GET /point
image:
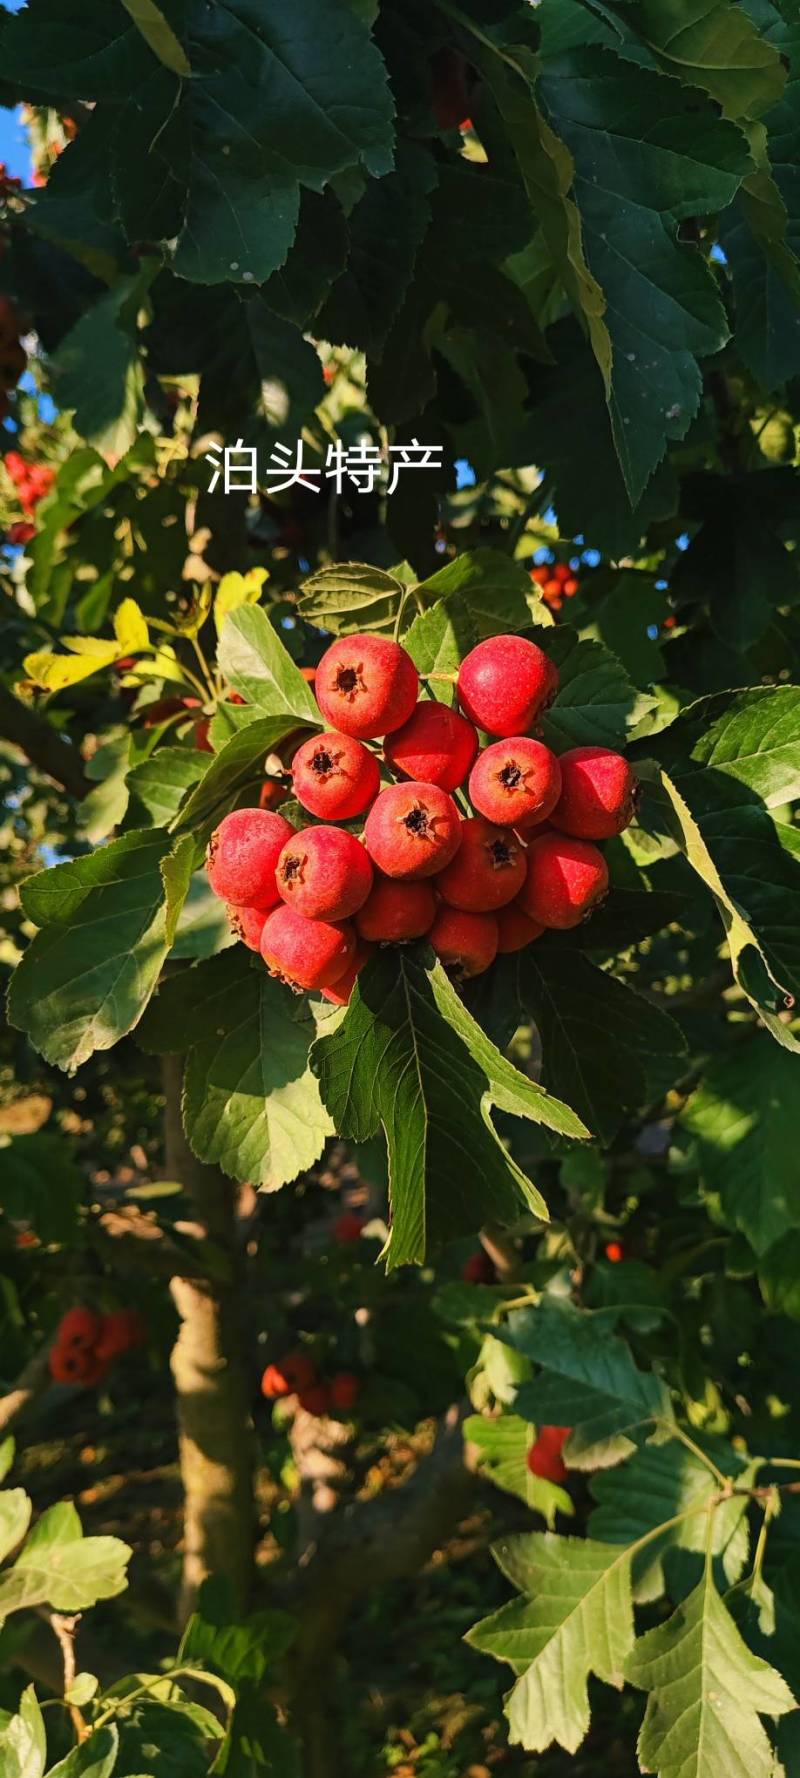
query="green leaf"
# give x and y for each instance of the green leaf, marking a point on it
(503, 1443)
(255, 663)
(706, 1694)
(494, 589)
(755, 738)
(711, 44)
(58, 1566)
(588, 1379)
(386, 229)
(96, 1757)
(15, 1517)
(657, 1484)
(99, 372)
(742, 1116)
(41, 1183)
(407, 1056)
(7, 1450)
(438, 640)
(22, 1740)
(237, 771)
(160, 783)
(643, 1052)
(158, 34)
(596, 702)
(575, 1618)
(351, 596)
(87, 976)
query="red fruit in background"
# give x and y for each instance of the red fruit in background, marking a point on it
(324, 873)
(120, 1332)
(335, 776)
(306, 953)
(69, 1364)
(79, 1329)
(412, 830)
(515, 929)
(544, 1457)
(345, 1389)
(293, 1372)
(435, 746)
(395, 911)
(201, 740)
(247, 924)
(341, 990)
(566, 879)
(315, 1400)
(597, 793)
(21, 532)
(615, 1252)
(242, 855)
(515, 781)
(479, 1269)
(466, 943)
(488, 870)
(272, 794)
(505, 683)
(366, 686)
(348, 1226)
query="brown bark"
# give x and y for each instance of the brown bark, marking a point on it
(208, 1367)
(42, 744)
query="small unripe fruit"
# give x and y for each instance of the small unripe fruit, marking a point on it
(395, 911)
(597, 793)
(435, 746)
(544, 1457)
(295, 1371)
(315, 1400)
(347, 1227)
(566, 879)
(247, 924)
(340, 993)
(515, 781)
(306, 953)
(515, 929)
(324, 873)
(505, 683)
(242, 855)
(488, 870)
(79, 1329)
(335, 776)
(366, 686)
(412, 830)
(466, 943)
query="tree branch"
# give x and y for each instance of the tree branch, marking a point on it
(42, 744)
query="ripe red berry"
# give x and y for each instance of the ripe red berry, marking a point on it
(315, 1400)
(119, 1332)
(488, 870)
(566, 879)
(435, 746)
(79, 1329)
(479, 1269)
(272, 794)
(597, 793)
(242, 855)
(466, 943)
(341, 990)
(335, 776)
(366, 686)
(396, 910)
(69, 1364)
(515, 781)
(515, 929)
(412, 830)
(324, 873)
(294, 1372)
(344, 1391)
(306, 953)
(505, 683)
(247, 924)
(347, 1227)
(615, 1252)
(544, 1457)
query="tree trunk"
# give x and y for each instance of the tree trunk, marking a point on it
(208, 1367)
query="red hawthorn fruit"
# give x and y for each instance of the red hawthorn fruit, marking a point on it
(315, 1400)
(292, 1373)
(340, 993)
(345, 1389)
(21, 533)
(347, 1227)
(120, 1332)
(615, 1252)
(335, 776)
(79, 1329)
(272, 794)
(466, 943)
(515, 929)
(435, 746)
(544, 1457)
(505, 684)
(247, 924)
(566, 879)
(412, 830)
(479, 1269)
(515, 781)
(69, 1364)
(306, 953)
(242, 855)
(324, 873)
(489, 868)
(395, 911)
(366, 686)
(597, 793)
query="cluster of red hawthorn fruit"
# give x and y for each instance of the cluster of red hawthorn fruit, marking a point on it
(296, 1375)
(556, 582)
(86, 1343)
(315, 902)
(32, 481)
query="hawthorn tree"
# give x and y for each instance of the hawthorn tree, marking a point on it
(551, 254)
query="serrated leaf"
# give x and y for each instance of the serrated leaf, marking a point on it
(351, 596)
(386, 230)
(503, 1443)
(438, 640)
(96, 1757)
(87, 976)
(658, 1483)
(742, 1116)
(575, 1618)
(22, 1741)
(587, 1378)
(493, 588)
(754, 738)
(596, 701)
(237, 768)
(713, 45)
(408, 1056)
(706, 1694)
(255, 663)
(158, 34)
(58, 1566)
(160, 783)
(98, 369)
(235, 590)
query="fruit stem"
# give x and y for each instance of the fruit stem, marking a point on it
(451, 678)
